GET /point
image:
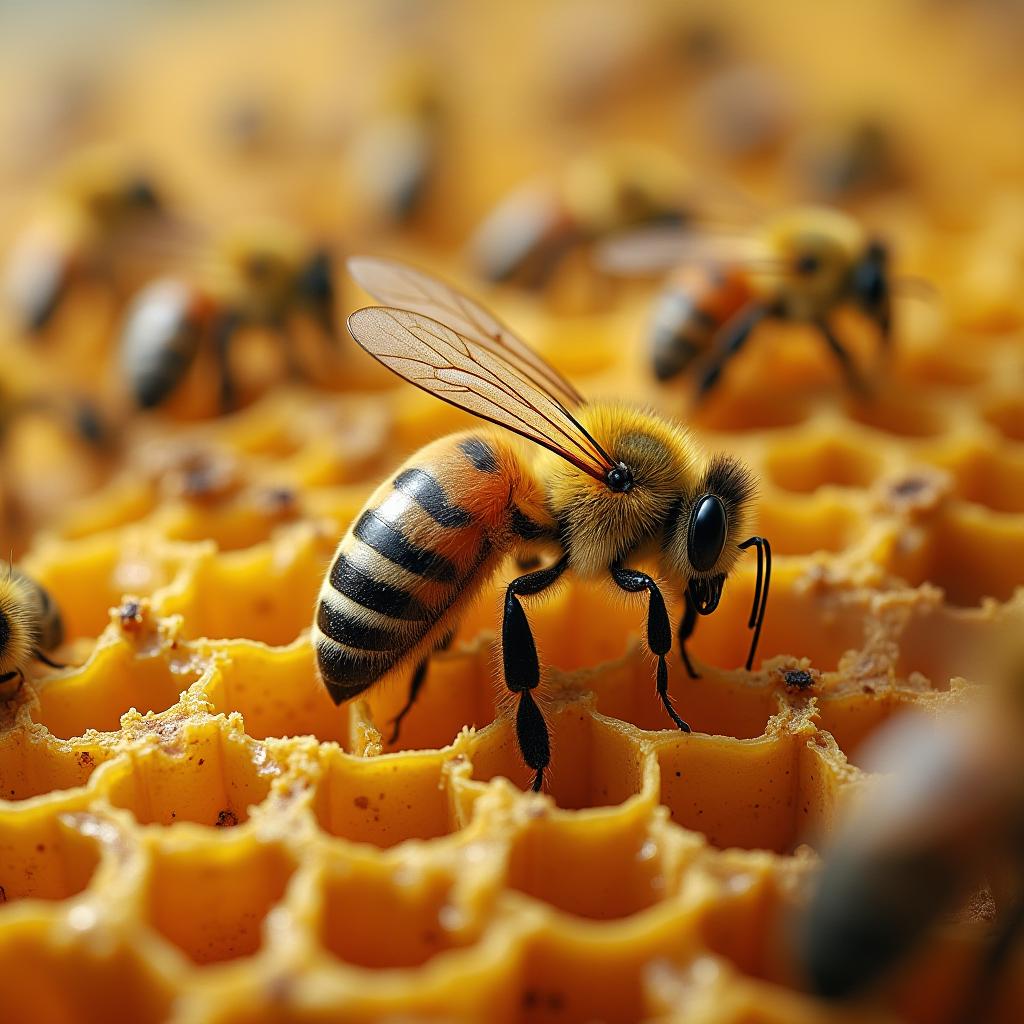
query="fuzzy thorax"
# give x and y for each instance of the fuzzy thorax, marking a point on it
(19, 623)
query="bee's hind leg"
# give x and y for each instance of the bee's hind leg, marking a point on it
(854, 380)
(731, 339)
(419, 677)
(659, 629)
(687, 624)
(522, 669)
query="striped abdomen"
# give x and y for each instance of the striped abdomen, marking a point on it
(695, 304)
(422, 546)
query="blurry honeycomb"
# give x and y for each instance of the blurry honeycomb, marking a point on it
(191, 831)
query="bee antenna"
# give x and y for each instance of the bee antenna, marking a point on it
(761, 583)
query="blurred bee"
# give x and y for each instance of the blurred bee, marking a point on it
(99, 218)
(602, 485)
(30, 624)
(801, 266)
(394, 156)
(947, 818)
(264, 275)
(527, 235)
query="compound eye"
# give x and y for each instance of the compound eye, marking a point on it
(708, 528)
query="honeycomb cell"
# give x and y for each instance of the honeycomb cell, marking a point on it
(43, 855)
(383, 800)
(807, 524)
(854, 717)
(902, 415)
(378, 918)
(194, 773)
(231, 527)
(735, 412)
(211, 898)
(1006, 414)
(31, 764)
(114, 681)
(821, 462)
(991, 478)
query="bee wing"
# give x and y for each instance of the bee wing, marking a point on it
(490, 384)
(652, 250)
(404, 287)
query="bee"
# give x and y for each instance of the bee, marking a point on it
(395, 155)
(602, 485)
(528, 234)
(93, 228)
(801, 267)
(946, 818)
(262, 275)
(30, 624)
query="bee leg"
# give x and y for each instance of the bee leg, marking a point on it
(733, 338)
(659, 629)
(39, 656)
(522, 669)
(853, 378)
(687, 624)
(419, 677)
(224, 332)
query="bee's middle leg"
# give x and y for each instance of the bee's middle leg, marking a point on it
(659, 629)
(419, 677)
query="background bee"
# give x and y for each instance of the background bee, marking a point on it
(264, 275)
(802, 266)
(30, 624)
(604, 484)
(93, 228)
(528, 234)
(945, 820)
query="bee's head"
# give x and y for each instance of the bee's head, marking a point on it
(702, 536)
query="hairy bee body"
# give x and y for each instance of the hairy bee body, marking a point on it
(422, 547)
(30, 623)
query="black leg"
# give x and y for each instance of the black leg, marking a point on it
(522, 669)
(761, 584)
(39, 656)
(687, 624)
(419, 677)
(733, 338)
(659, 629)
(223, 334)
(835, 346)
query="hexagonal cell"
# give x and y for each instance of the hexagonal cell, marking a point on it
(211, 899)
(114, 681)
(805, 464)
(807, 524)
(1006, 414)
(993, 478)
(968, 551)
(736, 792)
(594, 762)
(113, 982)
(729, 411)
(231, 527)
(600, 868)
(198, 774)
(853, 718)
(43, 856)
(32, 764)
(277, 692)
(383, 800)
(375, 917)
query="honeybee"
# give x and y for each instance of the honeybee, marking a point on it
(801, 266)
(94, 227)
(527, 235)
(602, 485)
(261, 275)
(30, 624)
(946, 817)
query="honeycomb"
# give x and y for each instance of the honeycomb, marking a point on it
(190, 830)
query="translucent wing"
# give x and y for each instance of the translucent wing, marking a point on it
(459, 370)
(650, 250)
(404, 287)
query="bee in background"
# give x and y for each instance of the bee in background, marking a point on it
(945, 821)
(394, 156)
(99, 221)
(529, 233)
(802, 266)
(602, 485)
(30, 624)
(264, 275)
